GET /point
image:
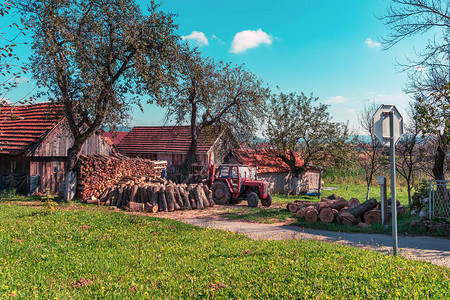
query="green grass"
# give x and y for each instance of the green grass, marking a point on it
(258, 214)
(125, 256)
(347, 191)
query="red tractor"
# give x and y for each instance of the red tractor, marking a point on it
(233, 183)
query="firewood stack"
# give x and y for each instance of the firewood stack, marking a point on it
(337, 209)
(154, 197)
(96, 173)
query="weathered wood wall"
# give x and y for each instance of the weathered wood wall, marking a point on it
(59, 140)
(51, 170)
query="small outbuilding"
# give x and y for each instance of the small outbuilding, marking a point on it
(34, 140)
(274, 170)
(171, 143)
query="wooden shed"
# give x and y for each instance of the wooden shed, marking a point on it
(274, 170)
(34, 141)
(171, 143)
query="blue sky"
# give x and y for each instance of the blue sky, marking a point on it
(330, 48)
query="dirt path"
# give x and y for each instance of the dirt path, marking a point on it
(431, 249)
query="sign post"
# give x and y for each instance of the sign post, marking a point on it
(381, 180)
(388, 128)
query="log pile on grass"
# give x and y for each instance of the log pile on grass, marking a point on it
(156, 197)
(337, 209)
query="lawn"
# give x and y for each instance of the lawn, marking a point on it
(88, 252)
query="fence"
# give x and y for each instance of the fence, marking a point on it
(439, 199)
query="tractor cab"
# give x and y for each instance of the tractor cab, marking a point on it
(238, 182)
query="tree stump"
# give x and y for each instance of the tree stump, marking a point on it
(292, 207)
(326, 215)
(372, 216)
(311, 214)
(346, 218)
(362, 208)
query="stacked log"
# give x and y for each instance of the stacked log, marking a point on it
(154, 197)
(96, 173)
(339, 210)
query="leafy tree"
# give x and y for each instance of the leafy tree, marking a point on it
(96, 57)
(212, 93)
(298, 123)
(370, 154)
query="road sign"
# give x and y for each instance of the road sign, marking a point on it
(381, 124)
(388, 126)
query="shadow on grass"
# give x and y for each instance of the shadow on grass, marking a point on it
(261, 215)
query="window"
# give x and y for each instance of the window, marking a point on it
(224, 172)
(56, 166)
(234, 172)
(13, 166)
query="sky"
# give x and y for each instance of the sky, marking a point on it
(329, 48)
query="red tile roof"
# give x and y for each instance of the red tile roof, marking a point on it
(21, 126)
(114, 136)
(265, 159)
(165, 139)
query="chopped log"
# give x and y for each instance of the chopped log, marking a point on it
(132, 197)
(362, 208)
(155, 195)
(178, 198)
(326, 215)
(208, 194)
(372, 216)
(150, 208)
(170, 198)
(338, 203)
(335, 212)
(202, 195)
(300, 213)
(292, 207)
(311, 214)
(162, 198)
(192, 198)
(346, 218)
(362, 225)
(353, 202)
(134, 206)
(185, 196)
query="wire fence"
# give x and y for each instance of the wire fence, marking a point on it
(439, 199)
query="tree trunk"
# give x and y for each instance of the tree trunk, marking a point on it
(439, 160)
(195, 131)
(368, 191)
(70, 186)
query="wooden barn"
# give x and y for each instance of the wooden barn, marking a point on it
(34, 141)
(274, 170)
(171, 143)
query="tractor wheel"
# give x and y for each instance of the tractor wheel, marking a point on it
(267, 202)
(252, 199)
(220, 193)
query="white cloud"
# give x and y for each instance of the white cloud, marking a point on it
(198, 37)
(351, 110)
(372, 44)
(336, 100)
(248, 39)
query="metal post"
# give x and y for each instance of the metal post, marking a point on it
(393, 196)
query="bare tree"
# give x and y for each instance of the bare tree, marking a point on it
(410, 156)
(96, 57)
(429, 72)
(370, 154)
